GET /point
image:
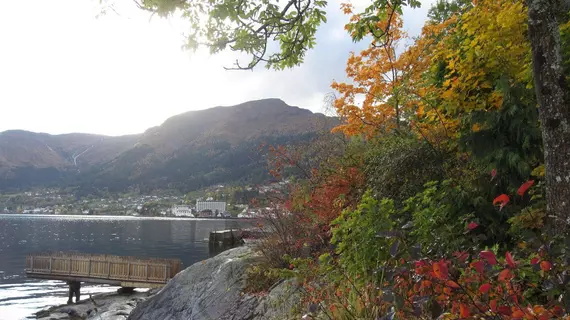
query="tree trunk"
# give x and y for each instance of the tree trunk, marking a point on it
(553, 98)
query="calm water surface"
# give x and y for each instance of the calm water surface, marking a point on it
(20, 235)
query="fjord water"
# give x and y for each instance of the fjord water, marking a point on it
(185, 239)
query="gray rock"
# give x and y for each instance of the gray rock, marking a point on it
(281, 303)
(213, 289)
(107, 306)
(205, 290)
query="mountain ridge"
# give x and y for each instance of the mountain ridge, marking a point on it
(159, 155)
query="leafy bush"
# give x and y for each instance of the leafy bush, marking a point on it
(359, 245)
(260, 278)
(397, 167)
(439, 215)
(283, 236)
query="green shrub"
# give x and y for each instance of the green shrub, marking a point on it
(398, 166)
(439, 217)
(260, 278)
(356, 234)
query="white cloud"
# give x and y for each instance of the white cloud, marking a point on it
(63, 70)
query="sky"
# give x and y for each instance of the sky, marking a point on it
(65, 68)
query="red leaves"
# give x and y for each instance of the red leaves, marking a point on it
(493, 291)
(452, 284)
(501, 200)
(504, 310)
(489, 257)
(504, 199)
(478, 265)
(484, 288)
(505, 275)
(335, 193)
(493, 305)
(524, 187)
(545, 266)
(461, 256)
(558, 311)
(518, 314)
(510, 260)
(464, 311)
(472, 225)
(440, 270)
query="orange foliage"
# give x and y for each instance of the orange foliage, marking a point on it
(336, 193)
(388, 90)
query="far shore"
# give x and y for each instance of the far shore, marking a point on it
(125, 217)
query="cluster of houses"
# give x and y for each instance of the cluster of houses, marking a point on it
(203, 209)
(215, 209)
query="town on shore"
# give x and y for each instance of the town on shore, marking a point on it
(214, 202)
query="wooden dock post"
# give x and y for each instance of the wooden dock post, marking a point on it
(224, 239)
(74, 290)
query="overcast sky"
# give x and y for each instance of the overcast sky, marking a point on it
(64, 69)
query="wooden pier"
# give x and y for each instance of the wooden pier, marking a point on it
(127, 272)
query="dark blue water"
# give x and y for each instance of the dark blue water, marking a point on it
(184, 239)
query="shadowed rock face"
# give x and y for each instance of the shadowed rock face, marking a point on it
(213, 290)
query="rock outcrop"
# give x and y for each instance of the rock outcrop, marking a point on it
(106, 306)
(213, 289)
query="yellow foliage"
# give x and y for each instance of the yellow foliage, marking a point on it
(389, 90)
(373, 102)
(538, 171)
(488, 43)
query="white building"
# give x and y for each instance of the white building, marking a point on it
(214, 206)
(182, 211)
(249, 214)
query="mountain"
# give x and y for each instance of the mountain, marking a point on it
(188, 151)
(38, 159)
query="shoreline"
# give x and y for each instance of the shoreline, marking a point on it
(122, 217)
(108, 305)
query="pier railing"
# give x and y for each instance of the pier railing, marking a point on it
(101, 268)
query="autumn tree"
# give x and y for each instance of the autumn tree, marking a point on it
(378, 76)
(387, 88)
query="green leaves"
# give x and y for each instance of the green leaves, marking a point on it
(270, 32)
(379, 10)
(439, 216)
(355, 235)
(273, 33)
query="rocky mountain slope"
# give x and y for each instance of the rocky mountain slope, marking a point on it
(187, 151)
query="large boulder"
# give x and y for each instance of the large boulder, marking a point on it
(213, 289)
